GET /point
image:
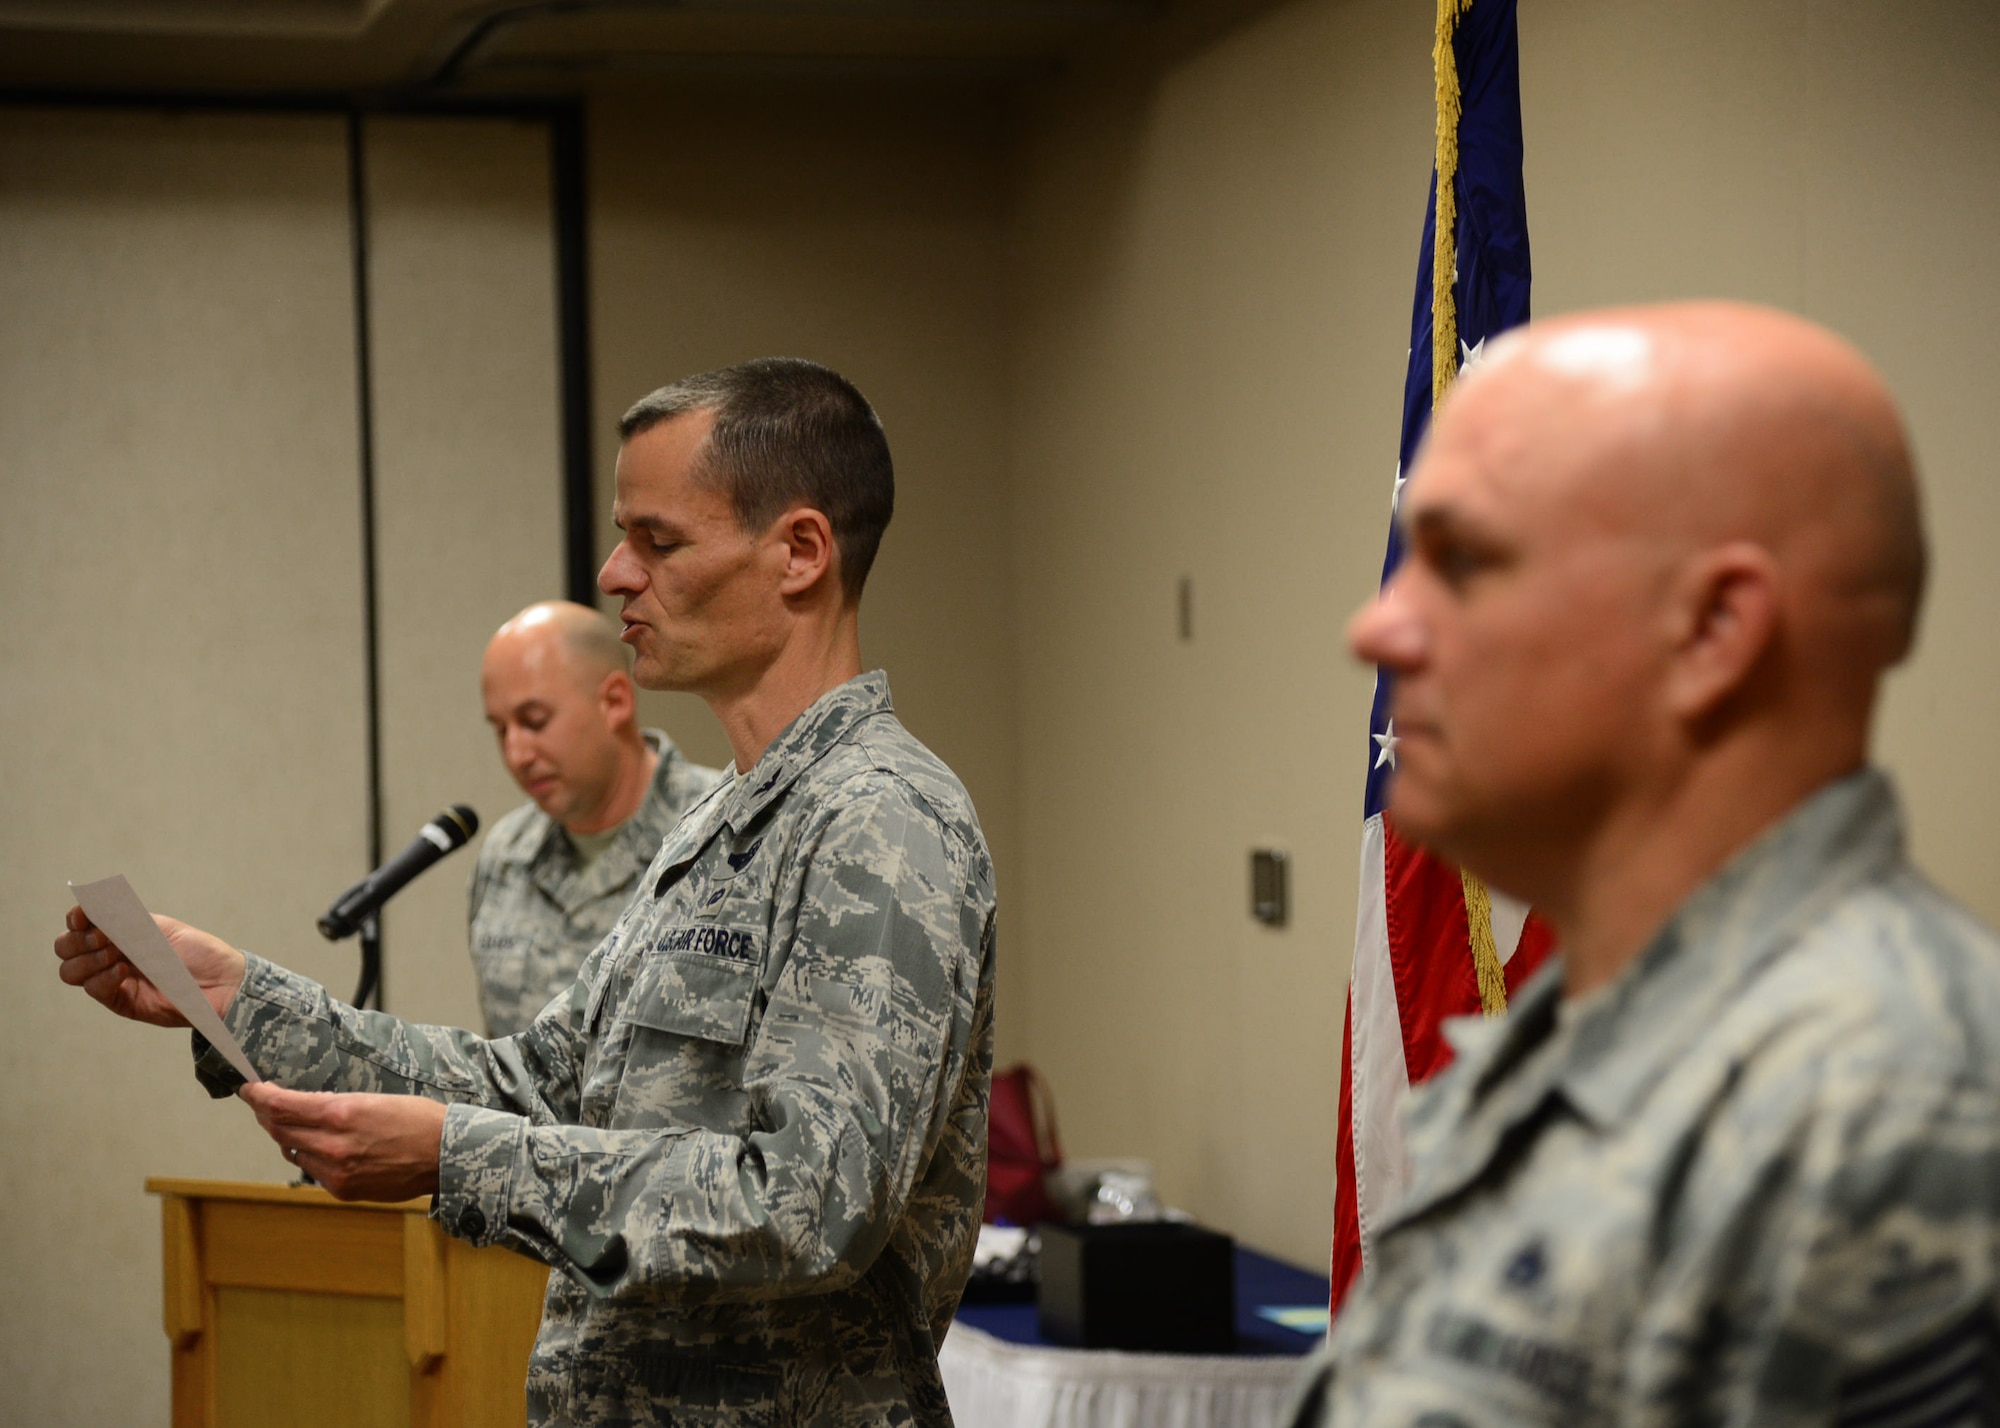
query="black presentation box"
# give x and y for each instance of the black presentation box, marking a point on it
(1159, 1286)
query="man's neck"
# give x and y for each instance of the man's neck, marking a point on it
(1642, 865)
(809, 666)
(635, 776)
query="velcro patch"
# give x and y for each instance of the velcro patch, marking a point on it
(1553, 1369)
(711, 942)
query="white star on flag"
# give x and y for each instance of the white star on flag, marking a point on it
(1386, 741)
(1396, 498)
(1470, 357)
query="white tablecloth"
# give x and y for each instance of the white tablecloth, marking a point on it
(994, 1384)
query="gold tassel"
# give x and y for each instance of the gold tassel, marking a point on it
(1485, 952)
(1444, 367)
(1444, 246)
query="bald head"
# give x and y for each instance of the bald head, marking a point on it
(586, 639)
(1704, 423)
(559, 699)
(1659, 558)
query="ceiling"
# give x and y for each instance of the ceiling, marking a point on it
(412, 48)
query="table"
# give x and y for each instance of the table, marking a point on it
(999, 1373)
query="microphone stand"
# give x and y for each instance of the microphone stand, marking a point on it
(371, 962)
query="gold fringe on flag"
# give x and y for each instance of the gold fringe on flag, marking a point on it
(1485, 951)
(1444, 367)
(1444, 246)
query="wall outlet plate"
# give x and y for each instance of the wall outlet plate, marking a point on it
(1270, 897)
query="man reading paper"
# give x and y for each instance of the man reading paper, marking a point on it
(750, 1137)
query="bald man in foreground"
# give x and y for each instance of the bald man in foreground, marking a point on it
(554, 874)
(1735, 1155)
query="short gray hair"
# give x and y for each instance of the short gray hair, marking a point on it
(787, 431)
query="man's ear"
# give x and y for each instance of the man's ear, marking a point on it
(1726, 619)
(616, 701)
(811, 557)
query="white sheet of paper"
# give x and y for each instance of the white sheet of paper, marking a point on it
(119, 915)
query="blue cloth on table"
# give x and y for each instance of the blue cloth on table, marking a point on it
(1260, 1282)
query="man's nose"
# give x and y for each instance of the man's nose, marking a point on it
(619, 575)
(1387, 632)
(516, 749)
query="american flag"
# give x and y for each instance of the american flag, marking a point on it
(1420, 934)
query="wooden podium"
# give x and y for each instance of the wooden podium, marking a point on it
(284, 1305)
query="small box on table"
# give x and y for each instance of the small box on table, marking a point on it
(1158, 1286)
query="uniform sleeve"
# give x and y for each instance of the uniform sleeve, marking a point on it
(299, 1036)
(849, 1076)
(476, 894)
(1842, 1259)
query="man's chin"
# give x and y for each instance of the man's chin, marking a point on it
(651, 672)
(1480, 846)
(660, 681)
(549, 800)
(1421, 819)
(690, 672)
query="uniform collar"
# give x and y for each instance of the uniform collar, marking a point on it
(639, 836)
(1497, 1079)
(1848, 834)
(1603, 1054)
(824, 723)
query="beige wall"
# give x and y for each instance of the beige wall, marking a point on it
(182, 578)
(1216, 255)
(1214, 292)
(169, 551)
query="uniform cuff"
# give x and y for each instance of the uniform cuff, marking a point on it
(263, 983)
(216, 1075)
(476, 1165)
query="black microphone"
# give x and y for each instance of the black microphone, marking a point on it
(443, 834)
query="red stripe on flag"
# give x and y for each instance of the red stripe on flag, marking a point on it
(1346, 1267)
(1430, 950)
(1430, 967)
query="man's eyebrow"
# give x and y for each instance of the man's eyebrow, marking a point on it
(655, 524)
(1448, 522)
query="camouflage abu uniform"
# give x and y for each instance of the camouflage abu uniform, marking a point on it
(751, 1139)
(1756, 1180)
(535, 917)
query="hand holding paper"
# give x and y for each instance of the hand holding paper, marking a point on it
(163, 972)
(359, 1146)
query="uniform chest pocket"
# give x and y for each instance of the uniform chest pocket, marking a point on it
(698, 993)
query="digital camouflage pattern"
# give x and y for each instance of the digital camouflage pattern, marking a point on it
(535, 915)
(1756, 1180)
(751, 1139)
